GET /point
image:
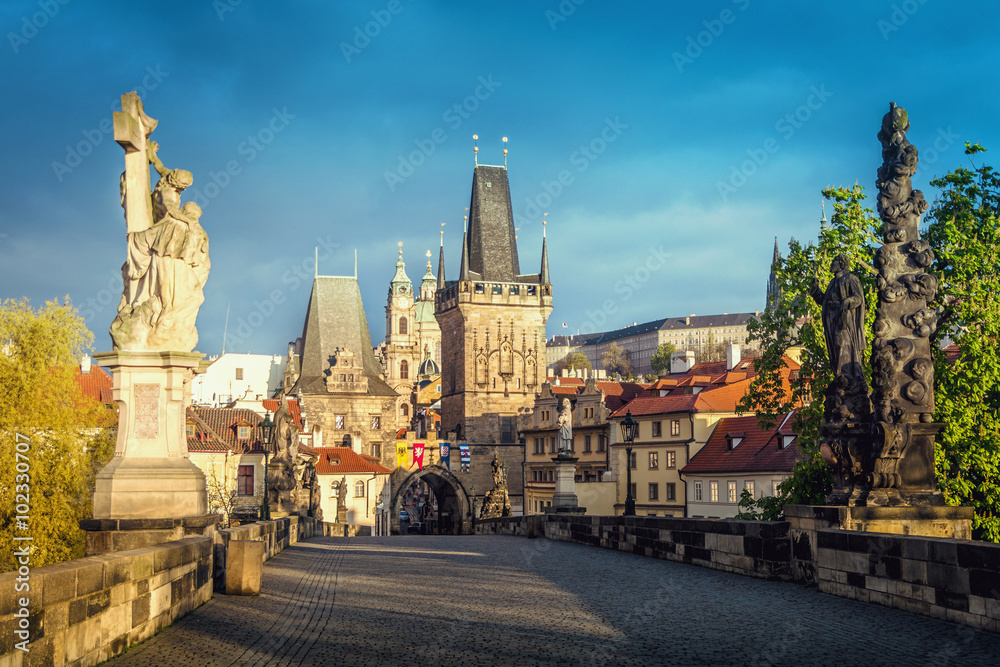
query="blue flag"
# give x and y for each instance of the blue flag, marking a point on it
(446, 455)
(463, 448)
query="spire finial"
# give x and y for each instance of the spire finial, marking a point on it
(400, 244)
(475, 148)
(505, 152)
(544, 222)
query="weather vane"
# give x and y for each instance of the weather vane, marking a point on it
(475, 148)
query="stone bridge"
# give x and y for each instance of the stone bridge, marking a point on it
(507, 600)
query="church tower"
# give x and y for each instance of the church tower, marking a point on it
(773, 291)
(492, 321)
(401, 352)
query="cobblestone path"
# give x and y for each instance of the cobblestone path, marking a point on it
(493, 600)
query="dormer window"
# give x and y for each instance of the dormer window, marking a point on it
(189, 430)
(785, 441)
(243, 432)
(733, 440)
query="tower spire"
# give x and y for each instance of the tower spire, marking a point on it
(440, 283)
(464, 270)
(823, 226)
(475, 148)
(543, 275)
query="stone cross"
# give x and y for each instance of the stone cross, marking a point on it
(132, 130)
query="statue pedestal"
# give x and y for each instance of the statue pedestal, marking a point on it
(564, 501)
(926, 521)
(151, 476)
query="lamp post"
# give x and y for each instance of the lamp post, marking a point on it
(629, 428)
(265, 430)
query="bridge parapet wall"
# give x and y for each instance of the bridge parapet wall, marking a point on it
(276, 535)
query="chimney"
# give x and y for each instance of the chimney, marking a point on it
(681, 362)
(732, 355)
(565, 373)
(85, 364)
(687, 321)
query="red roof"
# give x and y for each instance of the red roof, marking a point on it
(95, 384)
(758, 451)
(345, 461)
(216, 429)
(272, 405)
(952, 353)
(617, 394)
(713, 399)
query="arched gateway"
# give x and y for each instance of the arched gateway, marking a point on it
(454, 508)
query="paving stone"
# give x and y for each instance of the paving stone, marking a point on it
(497, 600)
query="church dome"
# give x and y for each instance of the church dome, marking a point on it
(429, 367)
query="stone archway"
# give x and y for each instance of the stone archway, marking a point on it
(454, 507)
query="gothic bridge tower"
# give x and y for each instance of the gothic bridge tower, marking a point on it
(492, 321)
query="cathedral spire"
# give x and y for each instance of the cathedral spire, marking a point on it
(463, 273)
(400, 278)
(773, 292)
(440, 284)
(823, 226)
(543, 275)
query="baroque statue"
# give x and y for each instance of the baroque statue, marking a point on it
(167, 263)
(565, 423)
(497, 501)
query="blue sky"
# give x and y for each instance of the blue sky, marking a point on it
(669, 143)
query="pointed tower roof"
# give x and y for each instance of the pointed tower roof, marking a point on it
(336, 320)
(491, 245)
(773, 292)
(463, 272)
(400, 278)
(543, 275)
(440, 281)
(822, 221)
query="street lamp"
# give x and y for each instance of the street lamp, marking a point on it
(629, 428)
(265, 430)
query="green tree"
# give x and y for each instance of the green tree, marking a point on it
(660, 360)
(796, 323)
(572, 362)
(964, 233)
(712, 349)
(59, 435)
(615, 360)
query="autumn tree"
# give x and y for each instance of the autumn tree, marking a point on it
(53, 438)
(660, 360)
(964, 233)
(615, 360)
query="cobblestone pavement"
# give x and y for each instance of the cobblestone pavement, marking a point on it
(493, 600)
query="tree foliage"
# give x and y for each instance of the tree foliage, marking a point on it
(660, 360)
(795, 325)
(70, 437)
(572, 362)
(615, 360)
(964, 232)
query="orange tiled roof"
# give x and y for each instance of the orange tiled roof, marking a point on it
(759, 450)
(216, 429)
(96, 384)
(345, 461)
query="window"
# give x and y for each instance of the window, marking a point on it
(404, 370)
(675, 427)
(657, 429)
(377, 450)
(697, 490)
(600, 443)
(588, 413)
(514, 290)
(438, 389)
(545, 416)
(189, 431)
(713, 491)
(359, 489)
(404, 410)
(243, 432)
(376, 422)
(239, 373)
(671, 491)
(552, 445)
(654, 460)
(632, 490)
(671, 460)
(403, 326)
(774, 487)
(731, 491)
(244, 480)
(339, 422)
(654, 491)
(631, 462)
(586, 443)
(748, 485)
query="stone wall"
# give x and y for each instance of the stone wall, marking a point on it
(84, 611)
(952, 579)
(345, 530)
(276, 535)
